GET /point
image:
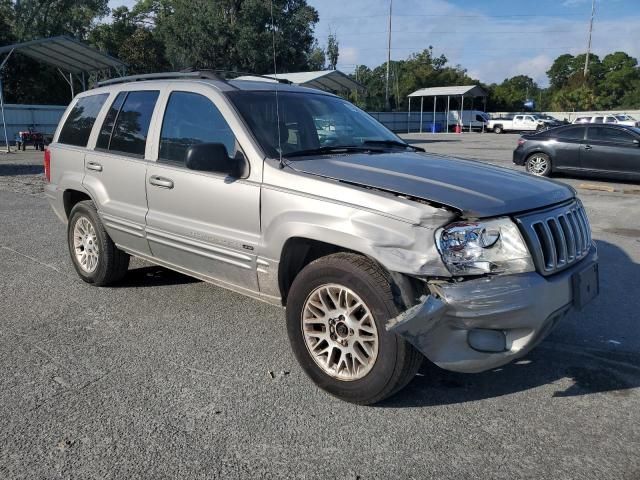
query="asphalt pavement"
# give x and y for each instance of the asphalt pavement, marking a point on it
(164, 376)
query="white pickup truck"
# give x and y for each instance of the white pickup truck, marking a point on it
(519, 123)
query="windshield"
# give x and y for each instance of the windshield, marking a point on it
(307, 122)
(623, 118)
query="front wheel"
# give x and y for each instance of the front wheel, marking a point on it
(336, 314)
(539, 164)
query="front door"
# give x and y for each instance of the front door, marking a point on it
(206, 223)
(610, 149)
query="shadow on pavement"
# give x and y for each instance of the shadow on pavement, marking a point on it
(560, 359)
(153, 276)
(10, 169)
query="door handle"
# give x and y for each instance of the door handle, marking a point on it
(160, 181)
(588, 147)
(94, 166)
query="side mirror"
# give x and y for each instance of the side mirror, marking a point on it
(636, 142)
(213, 157)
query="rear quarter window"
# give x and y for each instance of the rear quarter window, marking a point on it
(79, 123)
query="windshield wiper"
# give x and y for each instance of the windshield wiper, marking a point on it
(331, 149)
(392, 143)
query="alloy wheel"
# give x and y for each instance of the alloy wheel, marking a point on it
(340, 332)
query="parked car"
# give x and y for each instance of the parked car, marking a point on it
(519, 123)
(380, 252)
(473, 119)
(604, 150)
(617, 119)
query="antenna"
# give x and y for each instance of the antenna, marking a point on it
(275, 74)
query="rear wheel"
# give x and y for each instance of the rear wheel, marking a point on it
(336, 314)
(539, 164)
(94, 255)
(497, 129)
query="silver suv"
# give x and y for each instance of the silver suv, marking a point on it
(380, 253)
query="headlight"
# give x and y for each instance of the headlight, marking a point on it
(476, 248)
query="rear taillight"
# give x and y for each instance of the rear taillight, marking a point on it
(47, 165)
(521, 141)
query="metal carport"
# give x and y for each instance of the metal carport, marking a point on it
(333, 81)
(68, 55)
(472, 91)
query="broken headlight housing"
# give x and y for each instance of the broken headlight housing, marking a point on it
(478, 248)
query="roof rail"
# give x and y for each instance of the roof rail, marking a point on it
(184, 74)
(201, 74)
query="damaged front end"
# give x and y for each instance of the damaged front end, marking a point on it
(482, 323)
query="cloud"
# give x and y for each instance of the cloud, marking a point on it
(349, 55)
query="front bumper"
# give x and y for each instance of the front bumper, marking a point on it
(520, 309)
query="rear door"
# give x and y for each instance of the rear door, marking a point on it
(116, 168)
(567, 145)
(204, 222)
(70, 145)
(610, 149)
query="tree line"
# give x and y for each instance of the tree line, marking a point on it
(239, 35)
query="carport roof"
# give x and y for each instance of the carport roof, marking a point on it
(328, 80)
(66, 53)
(470, 90)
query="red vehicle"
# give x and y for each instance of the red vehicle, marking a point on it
(32, 137)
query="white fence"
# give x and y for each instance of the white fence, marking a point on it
(41, 118)
(403, 122)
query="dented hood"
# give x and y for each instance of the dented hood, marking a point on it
(476, 189)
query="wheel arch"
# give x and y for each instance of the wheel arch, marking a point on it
(298, 252)
(71, 197)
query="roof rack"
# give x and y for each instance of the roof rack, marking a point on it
(188, 74)
(201, 74)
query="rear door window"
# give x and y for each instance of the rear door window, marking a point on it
(77, 128)
(611, 135)
(572, 133)
(598, 119)
(131, 126)
(107, 127)
(189, 119)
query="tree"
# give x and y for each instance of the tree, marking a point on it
(511, 94)
(316, 58)
(234, 34)
(333, 51)
(620, 74)
(560, 71)
(6, 22)
(128, 39)
(420, 70)
(48, 18)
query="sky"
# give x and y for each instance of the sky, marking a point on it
(492, 39)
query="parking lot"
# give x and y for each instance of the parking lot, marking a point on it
(164, 376)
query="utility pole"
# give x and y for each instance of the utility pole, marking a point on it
(386, 93)
(586, 60)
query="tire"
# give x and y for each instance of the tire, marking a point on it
(497, 129)
(538, 164)
(104, 262)
(394, 361)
